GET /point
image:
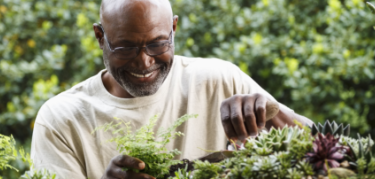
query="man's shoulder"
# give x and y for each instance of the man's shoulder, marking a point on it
(206, 66)
(204, 62)
(68, 104)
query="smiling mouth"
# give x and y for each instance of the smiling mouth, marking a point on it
(142, 75)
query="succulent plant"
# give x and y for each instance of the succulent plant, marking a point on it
(360, 151)
(292, 152)
(293, 173)
(305, 167)
(325, 149)
(275, 140)
(332, 128)
(266, 164)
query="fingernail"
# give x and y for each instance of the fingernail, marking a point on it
(261, 124)
(141, 165)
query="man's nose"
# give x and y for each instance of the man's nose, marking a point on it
(143, 61)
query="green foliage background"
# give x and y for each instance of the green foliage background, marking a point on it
(315, 56)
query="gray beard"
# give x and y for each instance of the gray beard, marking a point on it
(139, 90)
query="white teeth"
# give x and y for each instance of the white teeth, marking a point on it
(148, 75)
(141, 75)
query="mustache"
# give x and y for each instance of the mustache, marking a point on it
(137, 71)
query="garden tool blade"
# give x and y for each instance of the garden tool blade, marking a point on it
(217, 156)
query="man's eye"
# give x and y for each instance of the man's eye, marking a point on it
(128, 48)
(159, 44)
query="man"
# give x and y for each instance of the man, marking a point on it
(143, 77)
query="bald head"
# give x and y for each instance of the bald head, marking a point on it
(149, 27)
(117, 12)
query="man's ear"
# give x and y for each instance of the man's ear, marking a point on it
(98, 34)
(175, 20)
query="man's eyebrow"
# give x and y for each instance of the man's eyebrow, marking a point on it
(124, 42)
(160, 37)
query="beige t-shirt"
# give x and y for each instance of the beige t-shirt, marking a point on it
(62, 141)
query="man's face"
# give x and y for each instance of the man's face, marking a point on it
(143, 74)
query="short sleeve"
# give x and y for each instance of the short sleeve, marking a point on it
(50, 151)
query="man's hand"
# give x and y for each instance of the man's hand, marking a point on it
(242, 115)
(115, 168)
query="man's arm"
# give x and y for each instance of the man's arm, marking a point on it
(245, 112)
(243, 115)
(287, 116)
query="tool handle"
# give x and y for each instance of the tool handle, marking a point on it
(272, 108)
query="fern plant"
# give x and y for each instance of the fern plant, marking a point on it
(206, 170)
(181, 173)
(145, 145)
(8, 152)
(33, 173)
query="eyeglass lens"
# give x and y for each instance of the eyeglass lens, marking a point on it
(151, 49)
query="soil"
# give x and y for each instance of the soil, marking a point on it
(174, 168)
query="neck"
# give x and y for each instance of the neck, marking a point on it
(113, 87)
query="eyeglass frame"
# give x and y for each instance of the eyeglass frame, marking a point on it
(170, 41)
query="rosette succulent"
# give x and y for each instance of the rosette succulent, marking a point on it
(332, 128)
(360, 150)
(326, 151)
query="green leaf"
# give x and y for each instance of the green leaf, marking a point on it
(371, 6)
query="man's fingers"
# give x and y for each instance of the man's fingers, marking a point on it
(116, 169)
(119, 173)
(237, 118)
(131, 174)
(260, 111)
(128, 162)
(242, 115)
(249, 116)
(226, 121)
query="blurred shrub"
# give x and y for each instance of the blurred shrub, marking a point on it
(315, 56)
(46, 47)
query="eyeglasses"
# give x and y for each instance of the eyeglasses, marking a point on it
(128, 53)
